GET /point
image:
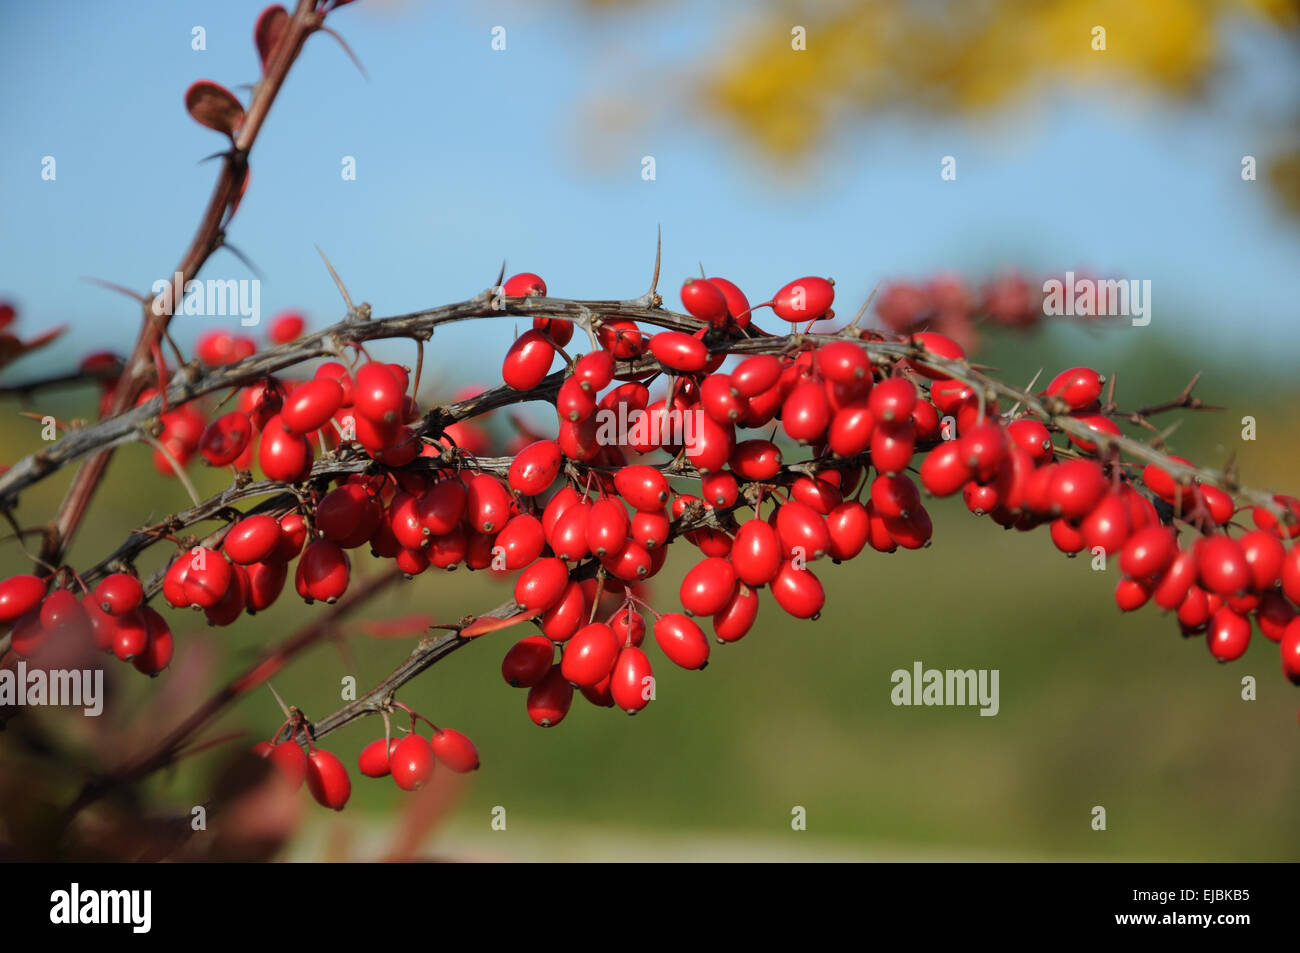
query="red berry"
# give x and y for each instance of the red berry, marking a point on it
(291, 761)
(682, 640)
(1148, 552)
(756, 374)
(226, 438)
(253, 539)
(411, 762)
(207, 577)
(704, 300)
(549, 700)
(631, 684)
(798, 591)
(454, 750)
(737, 303)
(806, 413)
(379, 393)
(535, 467)
(528, 661)
(283, 456)
(1228, 635)
(679, 351)
(708, 586)
(375, 758)
(1222, 565)
(528, 361)
(119, 593)
(542, 584)
(323, 572)
(737, 617)
(642, 486)
(756, 460)
(524, 285)
(286, 327)
(311, 405)
(589, 656)
(804, 299)
(328, 780)
(1078, 387)
(19, 595)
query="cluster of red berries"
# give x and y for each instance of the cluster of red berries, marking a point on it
(409, 760)
(581, 552)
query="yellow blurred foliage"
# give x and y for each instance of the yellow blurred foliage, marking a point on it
(958, 57)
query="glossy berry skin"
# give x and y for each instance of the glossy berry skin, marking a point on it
(892, 446)
(708, 586)
(119, 593)
(589, 656)
(642, 486)
(528, 661)
(19, 595)
(328, 780)
(704, 300)
(1228, 635)
(801, 528)
(528, 361)
(1291, 651)
(550, 699)
(379, 393)
(541, 585)
(1077, 486)
(940, 345)
(454, 750)
(632, 681)
(521, 541)
(1032, 437)
(283, 456)
(375, 758)
(523, 285)
(607, 526)
(804, 299)
(159, 648)
(756, 460)
(681, 640)
(311, 405)
(944, 470)
(737, 617)
(535, 467)
(756, 554)
(323, 571)
(1078, 387)
(253, 539)
(629, 627)
(1222, 565)
(207, 577)
(569, 614)
(1264, 555)
(798, 591)
(756, 374)
(850, 528)
(806, 413)
(679, 351)
(1148, 552)
(226, 438)
(487, 503)
(893, 400)
(1131, 594)
(411, 763)
(1174, 583)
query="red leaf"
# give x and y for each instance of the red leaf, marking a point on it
(397, 628)
(486, 624)
(270, 28)
(214, 106)
(11, 348)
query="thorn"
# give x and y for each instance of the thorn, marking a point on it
(659, 247)
(279, 701)
(703, 276)
(338, 282)
(1165, 434)
(247, 262)
(348, 50)
(501, 276)
(865, 306)
(120, 289)
(1110, 388)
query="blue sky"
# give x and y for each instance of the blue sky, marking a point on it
(466, 156)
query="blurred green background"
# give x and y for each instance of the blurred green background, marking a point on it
(1096, 708)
